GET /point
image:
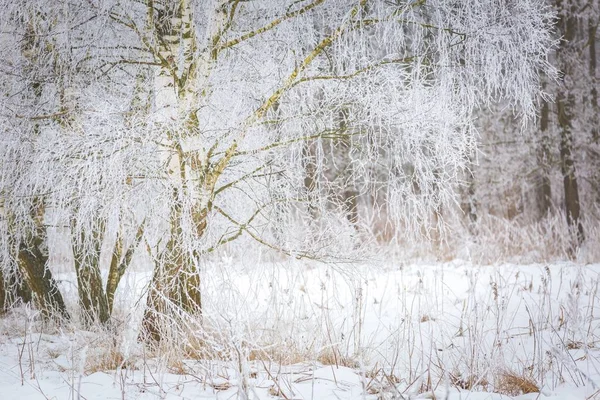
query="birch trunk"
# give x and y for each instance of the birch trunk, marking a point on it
(183, 75)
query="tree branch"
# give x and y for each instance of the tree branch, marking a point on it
(267, 27)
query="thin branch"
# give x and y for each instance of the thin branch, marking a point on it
(244, 227)
(241, 227)
(44, 116)
(327, 134)
(269, 26)
(244, 177)
(368, 68)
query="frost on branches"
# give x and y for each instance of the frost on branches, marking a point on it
(178, 127)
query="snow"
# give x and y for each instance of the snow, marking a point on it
(332, 332)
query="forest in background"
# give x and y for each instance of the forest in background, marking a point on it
(543, 178)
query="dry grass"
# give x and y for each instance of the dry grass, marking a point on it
(110, 360)
(204, 347)
(332, 356)
(514, 384)
(574, 345)
(53, 353)
(468, 382)
(177, 367)
(104, 353)
(496, 239)
(279, 354)
(500, 239)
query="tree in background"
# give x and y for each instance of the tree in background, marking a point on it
(528, 176)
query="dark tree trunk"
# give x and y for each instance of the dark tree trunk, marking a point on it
(469, 201)
(592, 31)
(544, 188)
(3, 294)
(565, 101)
(567, 166)
(119, 265)
(310, 177)
(12, 290)
(92, 298)
(31, 262)
(349, 193)
(594, 150)
(175, 285)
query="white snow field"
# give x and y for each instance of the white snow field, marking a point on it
(299, 330)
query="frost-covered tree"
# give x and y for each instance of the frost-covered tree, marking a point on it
(577, 109)
(544, 177)
(187, 125)
(24, 249)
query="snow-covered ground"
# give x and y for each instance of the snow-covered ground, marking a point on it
(310, 331)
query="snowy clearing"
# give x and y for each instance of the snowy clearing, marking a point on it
(311, 331)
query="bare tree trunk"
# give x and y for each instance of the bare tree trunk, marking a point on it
(97, 302)
(31, 261)
(468, 199)
(349, 193)
(567, 165)
(3, 293)
(592, 31)
(564, 102)
(13, 289)
(46, 292)
(310, 177)
(119, 264)
(92, 298)
(544, 188)
(594, 150)
(175, 284)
